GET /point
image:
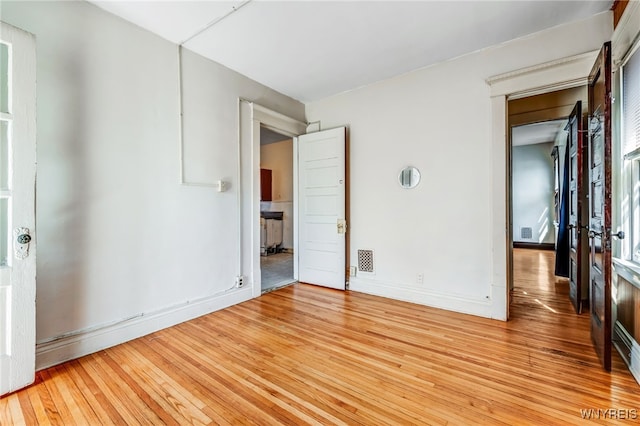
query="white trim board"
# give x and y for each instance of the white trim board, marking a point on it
(626, 34)
(94, 339)
(542, 78)
(421, 296)
(564, 73)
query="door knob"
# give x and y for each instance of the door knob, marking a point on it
(24, 239)
(593, 234)
(570, 226)
(619, 235)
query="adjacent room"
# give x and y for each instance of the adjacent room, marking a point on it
(276, 209)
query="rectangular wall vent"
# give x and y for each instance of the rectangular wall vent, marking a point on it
(526, 233)
(365, 260)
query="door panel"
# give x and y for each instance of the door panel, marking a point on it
(17, 208)
(574, 145)
(600, 205)
(321, 208)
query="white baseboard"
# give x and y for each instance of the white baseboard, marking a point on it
(84, 342)
(482, 308)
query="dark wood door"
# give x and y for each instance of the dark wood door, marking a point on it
(600, 205)
(575, 147)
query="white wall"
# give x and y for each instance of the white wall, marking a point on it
(278, 157)
(439, 120)
(118, 237)
(532, 200)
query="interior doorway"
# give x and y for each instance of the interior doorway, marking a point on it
(276, 209)
(320, 233)
(537, 155)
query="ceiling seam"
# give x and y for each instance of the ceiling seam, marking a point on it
(214, 22)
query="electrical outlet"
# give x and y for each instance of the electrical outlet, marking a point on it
(239, 281)
(352, 271)
(420, 278)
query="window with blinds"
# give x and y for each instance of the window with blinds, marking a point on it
(631, 152)
(631, 103)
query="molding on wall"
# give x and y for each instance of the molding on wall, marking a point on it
(499, 207)
(94, 339)
(534, 80)
(278, 122)
(422, 296)
(626, 34)
(628, 270)
(628, 349)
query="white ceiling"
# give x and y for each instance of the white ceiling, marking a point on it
(530, 134)
(313, 49)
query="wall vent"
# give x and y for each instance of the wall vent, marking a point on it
(526, 233)
(365, 260)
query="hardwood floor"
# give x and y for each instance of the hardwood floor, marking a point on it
(310, 355)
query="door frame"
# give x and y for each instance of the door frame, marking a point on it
(252, 116)
(551, 76)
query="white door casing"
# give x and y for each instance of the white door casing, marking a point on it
(321, 225)
(17, 209)
(251, 117)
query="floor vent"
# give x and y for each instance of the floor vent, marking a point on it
(526, 233)
(365, 260)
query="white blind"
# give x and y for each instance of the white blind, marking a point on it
(631, 103)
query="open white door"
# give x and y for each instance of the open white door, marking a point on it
(321, 226)
(17, 208)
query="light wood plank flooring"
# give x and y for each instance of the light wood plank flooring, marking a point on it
(309, 355)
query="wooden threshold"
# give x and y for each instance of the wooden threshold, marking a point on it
(311, 355)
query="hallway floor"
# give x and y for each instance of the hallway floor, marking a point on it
(537, 288)
(277, 270)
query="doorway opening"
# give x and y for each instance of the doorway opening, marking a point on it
(276, 210)
(252, 119)
(538, 140)
(319, 174)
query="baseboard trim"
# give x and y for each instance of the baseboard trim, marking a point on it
(538, 246)
(628, 349)
(94, 339)
(455, 303)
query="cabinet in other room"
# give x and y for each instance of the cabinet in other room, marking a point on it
(266, 185)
